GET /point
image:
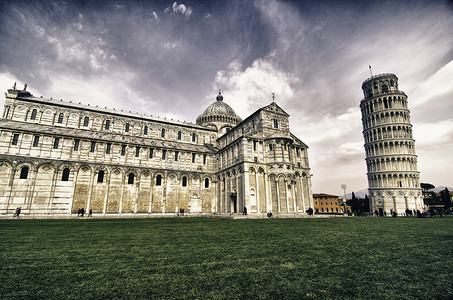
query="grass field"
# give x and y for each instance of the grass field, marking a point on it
(355, 258)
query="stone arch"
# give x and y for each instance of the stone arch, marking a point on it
(42, 190)
(145, 173)
(82, 187)
(5, 175)
(130, 191)
(97, 123)
(195, 179)
(172, 178)
(114, 192)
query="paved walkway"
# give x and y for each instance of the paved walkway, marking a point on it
(169, 215)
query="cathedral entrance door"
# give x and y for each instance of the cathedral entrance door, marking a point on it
(234, 200)
(194, 204)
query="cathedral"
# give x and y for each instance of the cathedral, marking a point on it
(57, 157)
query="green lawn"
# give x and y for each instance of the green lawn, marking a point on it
(360, 258)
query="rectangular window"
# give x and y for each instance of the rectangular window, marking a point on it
(137, 151)
(151, 152)
(24, 173)
(93, 146)
(179, 135)
(275, 123)
(204, 159)
(298, 164)
(33, 114)
(127, 127)
(255, 159)
(123, 150)
(145, 130)
(36, 141)
(164, 153)
(109, 148)
(193, 157)
(176, 155)
(76, 145)
(107, 124)
(101, 176)
(162, 133)
(297, 152)
(270, 147)
(6, 112)
(130, 179)
(86, 120)
(254, 145)
(56, 141)
(60, 118)
(15, 139)
(194, 137)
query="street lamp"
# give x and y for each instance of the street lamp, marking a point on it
(343, 186)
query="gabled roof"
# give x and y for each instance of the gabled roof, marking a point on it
(273, 107)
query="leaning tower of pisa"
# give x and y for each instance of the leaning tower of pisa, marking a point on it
(393, 179)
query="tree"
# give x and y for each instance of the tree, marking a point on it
(366, 204)
(359, 204)
(425, 187)
(445, 198)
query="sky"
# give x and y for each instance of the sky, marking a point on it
(170, 58)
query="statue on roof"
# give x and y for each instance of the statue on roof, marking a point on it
(14, 86)
(25, 86)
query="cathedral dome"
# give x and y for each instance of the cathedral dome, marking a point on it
(218, 111)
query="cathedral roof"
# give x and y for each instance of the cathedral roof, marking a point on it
(219, 108)
(216, 110)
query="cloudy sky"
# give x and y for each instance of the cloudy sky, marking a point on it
(170, 58)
